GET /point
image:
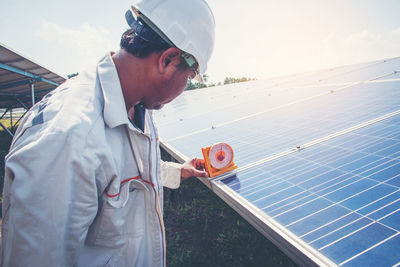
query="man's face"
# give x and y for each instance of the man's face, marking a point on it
(168, 90)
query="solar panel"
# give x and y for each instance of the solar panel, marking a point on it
(228, 103)
(318, 156)
(334, 194)
(285, 126)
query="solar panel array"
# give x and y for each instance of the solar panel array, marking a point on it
(318, 156)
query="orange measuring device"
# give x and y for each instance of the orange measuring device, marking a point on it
(218, 159)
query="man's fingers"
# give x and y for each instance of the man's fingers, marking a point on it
(198, 163)
(194, 167)
(198, 173)
(202, 164)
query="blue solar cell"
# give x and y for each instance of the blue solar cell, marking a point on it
(334, 225)
(368, 196)
(392, 220)
(392, 170)
(270, 190)
(370, 167)
(322, 218)
(306, 209)
(357, 241)
(395, 181)
(351, 189)
(337, 183)
(293, 193)
(380, 204)
(388, 249)
(286, 203)
(359, 163)
(328, 175)
(392, 151)
(340, 233)
(382, 213)
(389, 166)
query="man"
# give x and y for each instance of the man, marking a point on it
(83, 179)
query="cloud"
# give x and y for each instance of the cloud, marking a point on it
(82, 46)
(362, 46)
(396, 32)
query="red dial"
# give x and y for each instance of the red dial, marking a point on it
(221, 155)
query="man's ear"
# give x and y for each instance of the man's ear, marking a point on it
(169, 60)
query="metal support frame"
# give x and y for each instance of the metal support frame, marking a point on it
(32, 79)
(5, 129)
(20, 118)
(2, 125)
(17, 83)
(11, 118)
(33, 93)
(27, 74)
(24, 94)
(22, 103)
(27, 79)
(4, 113)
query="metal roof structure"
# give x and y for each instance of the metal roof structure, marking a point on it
(318, 158)
(22, 81)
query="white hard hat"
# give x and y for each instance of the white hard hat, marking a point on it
(188, 24)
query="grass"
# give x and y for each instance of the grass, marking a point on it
(7, 123)
(201, 229)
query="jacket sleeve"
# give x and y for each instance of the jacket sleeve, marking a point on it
(171, 174)
(50, 199)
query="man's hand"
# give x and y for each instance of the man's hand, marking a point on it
(194, 167)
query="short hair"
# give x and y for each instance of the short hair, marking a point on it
(139, 47)
(142, 48)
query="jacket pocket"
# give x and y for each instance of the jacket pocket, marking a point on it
(122, 216)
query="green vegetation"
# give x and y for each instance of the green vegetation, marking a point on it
(228, 80)
(202, 230)
(6, 123)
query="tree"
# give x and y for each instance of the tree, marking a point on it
(229, 80)
(205, 78)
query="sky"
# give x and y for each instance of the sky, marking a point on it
(254, 38)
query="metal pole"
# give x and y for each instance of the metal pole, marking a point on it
(20, 118)
(11, 118)
(33, 93)
(22, 103)
(5, 112)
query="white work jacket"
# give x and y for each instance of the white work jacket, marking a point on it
(83, 186)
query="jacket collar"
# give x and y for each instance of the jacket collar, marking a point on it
(114, 104)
